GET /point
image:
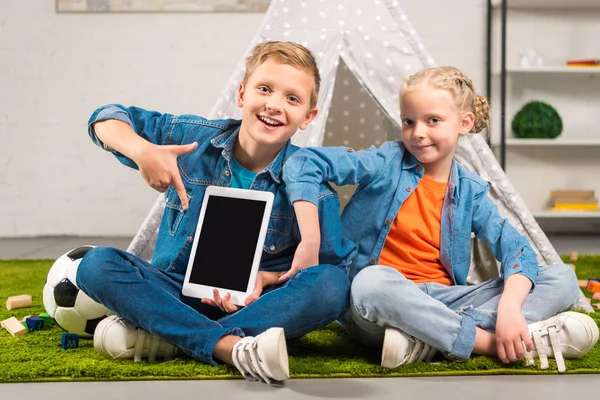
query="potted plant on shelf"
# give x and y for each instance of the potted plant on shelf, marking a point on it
(537, 120)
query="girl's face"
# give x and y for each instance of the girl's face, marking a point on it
(431, 126)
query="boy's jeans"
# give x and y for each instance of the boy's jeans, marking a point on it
(443, 316)
(151, 299)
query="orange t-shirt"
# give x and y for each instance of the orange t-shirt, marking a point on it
(413, 242)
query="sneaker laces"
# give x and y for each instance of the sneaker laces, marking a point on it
(153, 347)
(421, 351)
(247, 361)
(539, 346)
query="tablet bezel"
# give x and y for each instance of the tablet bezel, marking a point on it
(204, 291)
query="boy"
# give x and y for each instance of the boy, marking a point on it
(181, 155)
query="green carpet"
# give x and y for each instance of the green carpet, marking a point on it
(37, 356)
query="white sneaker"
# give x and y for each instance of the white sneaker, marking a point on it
(400, 348)
(566, 335)
(118, 339)
(262, 358)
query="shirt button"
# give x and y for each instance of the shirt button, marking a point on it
(408, 188)
(516, 266)
(227, 173)
(350, 149)
(272, 247)
(419, 168)
(387, 222)
(190, 238)
(372, 260)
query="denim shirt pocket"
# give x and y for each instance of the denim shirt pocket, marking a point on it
(174, 211)
(280, 233)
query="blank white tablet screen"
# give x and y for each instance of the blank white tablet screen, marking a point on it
(227, 242)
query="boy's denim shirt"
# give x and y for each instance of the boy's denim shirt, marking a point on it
(386, 176)
(209, 164)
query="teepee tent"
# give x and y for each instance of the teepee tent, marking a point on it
(364, 50)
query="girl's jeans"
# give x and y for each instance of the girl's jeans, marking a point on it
(151, 299)
(443, 316)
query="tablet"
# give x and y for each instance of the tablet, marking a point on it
(228, 243)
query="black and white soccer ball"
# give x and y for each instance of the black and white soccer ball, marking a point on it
(72, 309)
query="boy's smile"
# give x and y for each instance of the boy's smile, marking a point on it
(275, 103)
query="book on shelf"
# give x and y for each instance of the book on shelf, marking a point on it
(574, 200)
(586, 63)
(572, 194)
(575, 207)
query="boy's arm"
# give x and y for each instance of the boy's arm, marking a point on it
(306, 169)
(112, 127)
(508, 246)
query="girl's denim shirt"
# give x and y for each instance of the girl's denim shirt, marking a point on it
(210, 164)
(386, 176)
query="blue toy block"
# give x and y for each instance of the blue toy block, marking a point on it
(35, 323)
(47, 319)
(69, 341)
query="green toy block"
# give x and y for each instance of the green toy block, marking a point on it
(25, 325)
(47, 319)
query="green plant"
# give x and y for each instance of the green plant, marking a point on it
(538, 120)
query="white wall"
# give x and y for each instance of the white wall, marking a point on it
(55, 69)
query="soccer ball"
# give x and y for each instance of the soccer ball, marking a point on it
(72, 309)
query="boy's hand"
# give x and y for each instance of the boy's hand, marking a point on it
(158, 166)
(263, 279)
(512, 334)
(306, 255)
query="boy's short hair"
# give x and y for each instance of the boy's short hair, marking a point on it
(289, 53)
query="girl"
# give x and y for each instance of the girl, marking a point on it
(412, 216)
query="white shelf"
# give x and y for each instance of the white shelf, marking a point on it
(557, 4)
(554, 70)
(550, 142)
(566, 214)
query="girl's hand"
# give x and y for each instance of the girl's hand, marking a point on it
(512, 335)
(263, 280)
(306, 255)
(158, 166)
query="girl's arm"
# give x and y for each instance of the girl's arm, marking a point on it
(306, 169)
(508, 246)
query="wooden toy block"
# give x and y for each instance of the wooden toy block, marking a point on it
(572, 266)
(69, 341)
(20, 301)
(35, 323)
(597, 305)
(14, 327)
(582, 282)
(588, 300)
(596, 296)
(593, 286)
(573, 256)
(47, 319)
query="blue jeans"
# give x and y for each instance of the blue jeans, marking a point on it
(151, 299)
(443, 316)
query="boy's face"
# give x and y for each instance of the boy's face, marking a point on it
(275, 103)
(431, 126)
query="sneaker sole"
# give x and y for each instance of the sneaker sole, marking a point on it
(275, 344)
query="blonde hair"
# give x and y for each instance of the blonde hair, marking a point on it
(289, 53)
(461, 88)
